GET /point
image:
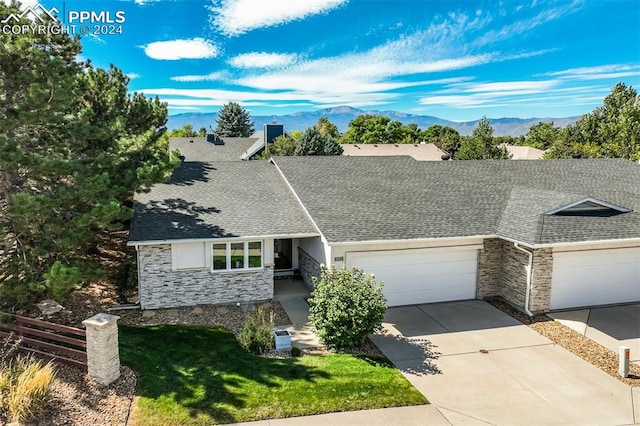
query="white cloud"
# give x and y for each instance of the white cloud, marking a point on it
(602, 72)
(500, 94)
(208, 97)
(214, 76)
(262, 60)
(528, 24)
(235, 17)
(196, 48)
(133, 75)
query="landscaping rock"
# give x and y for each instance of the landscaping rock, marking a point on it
(148, 314)
(49, 307)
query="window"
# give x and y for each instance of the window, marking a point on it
(237, 255)
(589, 207)
(219, 257)
(188, 256)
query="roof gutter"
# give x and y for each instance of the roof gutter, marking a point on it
(529, 270)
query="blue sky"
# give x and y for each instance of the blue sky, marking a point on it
(457, 60)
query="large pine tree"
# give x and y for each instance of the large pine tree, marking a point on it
(74, 147)
(234, 121)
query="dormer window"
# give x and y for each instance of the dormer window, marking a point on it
(588, 207)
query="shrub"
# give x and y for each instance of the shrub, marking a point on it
(256, 332)
(24, 388)
(296, 351)
(346, 306)
(61, 279)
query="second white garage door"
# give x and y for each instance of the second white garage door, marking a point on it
(421, 275)
(595, 277)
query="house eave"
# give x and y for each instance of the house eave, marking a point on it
(205, 240)
(413, 240)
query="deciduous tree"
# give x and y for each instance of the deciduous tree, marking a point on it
(612, 130)
(327, 128)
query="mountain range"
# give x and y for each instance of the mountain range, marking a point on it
(341, 116)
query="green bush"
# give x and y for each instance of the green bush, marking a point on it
(61, 280)
(256, 335)
(346, 306)
(296, 351)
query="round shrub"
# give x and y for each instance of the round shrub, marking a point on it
(296, 351)
(346, 306)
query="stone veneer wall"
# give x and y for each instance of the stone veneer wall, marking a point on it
(513, 276)
(513, 279)
(540, 297)
(160, 287)
(489, 268)
(308, 266)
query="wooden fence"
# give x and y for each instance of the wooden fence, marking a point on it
(45, 339)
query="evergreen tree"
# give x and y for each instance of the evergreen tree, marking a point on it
(480, 145)
(73, 149)
(234, 121)
(313, 142)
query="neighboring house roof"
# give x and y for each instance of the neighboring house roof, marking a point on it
(420, 152)
(398, 198)
(524, 152)
(198, 149)
(216, 200)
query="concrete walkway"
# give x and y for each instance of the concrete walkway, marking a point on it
(292, 296)
(611, 326)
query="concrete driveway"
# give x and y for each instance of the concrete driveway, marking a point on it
(478, 365)
(611, 326)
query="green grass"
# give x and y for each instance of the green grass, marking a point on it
(200, 375)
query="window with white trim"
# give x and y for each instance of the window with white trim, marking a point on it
(188, 256)
(233, 256)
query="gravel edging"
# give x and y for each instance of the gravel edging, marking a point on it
(228, 316)
(579, 345)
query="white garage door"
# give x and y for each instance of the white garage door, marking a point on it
(421, 275)
(595, 277)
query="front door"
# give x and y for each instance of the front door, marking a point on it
(283, 254)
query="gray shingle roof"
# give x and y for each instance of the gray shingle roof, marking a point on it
(219, 199)
(198, 149)
(377, 198)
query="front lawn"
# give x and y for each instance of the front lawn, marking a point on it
(200, 375)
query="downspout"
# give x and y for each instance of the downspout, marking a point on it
(139, 274)
(529, 270)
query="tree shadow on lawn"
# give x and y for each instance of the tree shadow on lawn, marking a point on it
(203, 369)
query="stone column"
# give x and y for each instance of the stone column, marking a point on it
(103, 359)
